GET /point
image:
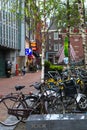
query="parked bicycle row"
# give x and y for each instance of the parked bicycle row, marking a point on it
(56, 95)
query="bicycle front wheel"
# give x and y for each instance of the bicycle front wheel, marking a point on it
(9, 108)
(55, 106)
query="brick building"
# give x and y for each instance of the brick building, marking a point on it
(55, 41)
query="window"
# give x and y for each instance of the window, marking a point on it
(55, 35)
(76, 46)
(76, 40)
(60, 45)
(55, 47)
(3, 14)
(50, 48)
(55, 60)
(49, 42)
(49, 36)
(0, 5)
(0, 15)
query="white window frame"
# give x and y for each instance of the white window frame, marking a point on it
(60, 45)
(55, 35)
(49, 36)
(54, 60)
(55, 47)
(50, 48)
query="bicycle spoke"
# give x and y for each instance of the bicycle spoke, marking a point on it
(7, 118)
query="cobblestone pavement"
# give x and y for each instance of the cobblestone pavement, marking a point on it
(7, 85)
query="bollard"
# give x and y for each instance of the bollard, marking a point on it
(17, 71)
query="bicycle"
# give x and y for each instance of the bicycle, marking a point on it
(19, 106)
(72, 101)
(10, 105)
(47, 101)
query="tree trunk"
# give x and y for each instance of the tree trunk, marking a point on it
(43, 46)
(43, 56)
(82, 30)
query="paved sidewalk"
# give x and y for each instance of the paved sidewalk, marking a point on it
(7, 85)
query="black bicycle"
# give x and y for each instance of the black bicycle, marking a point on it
(16, 107)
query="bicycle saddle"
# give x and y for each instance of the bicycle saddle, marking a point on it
(37, 85)
(19, 87)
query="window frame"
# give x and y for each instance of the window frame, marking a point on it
(56, 47)
(55, 35)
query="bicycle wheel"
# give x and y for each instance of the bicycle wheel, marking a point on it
(82, 104)
(10, 110)
(32, 102)
(36, 104)
(55, 106)
(69, 104)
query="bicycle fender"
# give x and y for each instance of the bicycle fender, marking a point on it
(79, 96)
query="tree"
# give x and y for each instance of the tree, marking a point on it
(64, 13)
(82, 29)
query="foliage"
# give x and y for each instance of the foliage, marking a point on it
(47, 64)
(51, 67)
(48, 9)
(56, 67)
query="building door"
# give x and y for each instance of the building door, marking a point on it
(2, 65)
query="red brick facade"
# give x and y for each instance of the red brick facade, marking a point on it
(76, 42)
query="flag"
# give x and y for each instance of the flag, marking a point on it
(61, 55)
(66, 46)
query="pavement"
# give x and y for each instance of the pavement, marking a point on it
(7, 85)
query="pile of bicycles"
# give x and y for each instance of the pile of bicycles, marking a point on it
(18, 106)
(54, 96)
(73, 84)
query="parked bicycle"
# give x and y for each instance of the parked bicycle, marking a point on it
(18, 106)
(60, 98)
(71, 101)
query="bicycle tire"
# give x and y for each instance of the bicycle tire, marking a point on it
(70, 104)
(82, 104)
(55, 106)
(30, 100)
(6, 104)
(33, 102)
(36, 104)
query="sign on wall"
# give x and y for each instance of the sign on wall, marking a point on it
(34, 46)
(28, 51)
